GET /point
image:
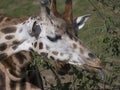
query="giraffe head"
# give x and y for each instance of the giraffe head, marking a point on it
(52, 34)
(58, 38)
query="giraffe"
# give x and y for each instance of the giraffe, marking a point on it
(24, 56)
(18, 64)
(49, 20)
(58, 39)
(22, 61)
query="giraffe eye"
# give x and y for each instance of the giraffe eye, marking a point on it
(54, 39)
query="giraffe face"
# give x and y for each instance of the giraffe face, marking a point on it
(52, 36)
(58, 41)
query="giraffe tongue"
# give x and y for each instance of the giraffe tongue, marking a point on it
(102, 73)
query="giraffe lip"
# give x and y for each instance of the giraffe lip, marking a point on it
(98, 70)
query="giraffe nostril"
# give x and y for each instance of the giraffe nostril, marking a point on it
(91, 55)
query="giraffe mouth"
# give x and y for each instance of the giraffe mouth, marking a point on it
(99, 70)
(63, 68)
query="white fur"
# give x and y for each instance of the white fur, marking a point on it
(80, 18)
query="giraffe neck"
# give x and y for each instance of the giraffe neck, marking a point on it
(16, 65)
(13, 73)
(13, 69)
(4, 20)
(15, 35)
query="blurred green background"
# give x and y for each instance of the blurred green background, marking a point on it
(101, 33)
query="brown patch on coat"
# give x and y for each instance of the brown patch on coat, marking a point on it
(3, 46)
(8, 30)
(20, 57)
(1, 18)
(13, 72)
(13, 85)
(44, 54)
(20, 31)
(16, 42)
(40, 45)
(51, 57)
(14, 47)
(81, 50)
(2, 80)
(74, 46)
(3, 56)
(8, 37)
(47, 47)
(61, 54)
(35, 44)
(55, 52)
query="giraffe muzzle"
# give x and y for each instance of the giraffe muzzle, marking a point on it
(95, 66)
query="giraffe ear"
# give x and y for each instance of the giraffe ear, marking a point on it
(80, 21)
(35, 30)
